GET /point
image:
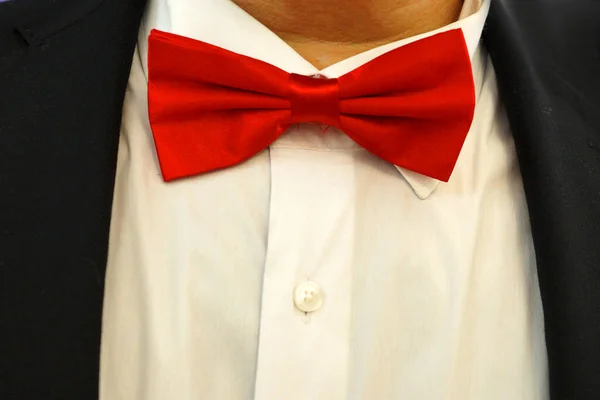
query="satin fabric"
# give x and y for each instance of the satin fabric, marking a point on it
(211, 108)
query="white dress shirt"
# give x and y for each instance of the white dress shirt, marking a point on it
(316, 270)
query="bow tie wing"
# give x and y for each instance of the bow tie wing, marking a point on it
(199, 98)
(414, 105)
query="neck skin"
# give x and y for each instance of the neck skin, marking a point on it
(325, 32)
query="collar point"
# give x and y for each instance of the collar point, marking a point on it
(423, 186)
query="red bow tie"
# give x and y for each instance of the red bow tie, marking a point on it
(211, 108)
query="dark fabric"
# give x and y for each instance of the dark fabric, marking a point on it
(63, 70)
(64, 65)
(547, 58)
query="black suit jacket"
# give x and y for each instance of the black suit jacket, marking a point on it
(64, 66)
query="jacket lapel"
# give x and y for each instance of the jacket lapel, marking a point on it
(50, 17)
(64, 66)
(30, 22)
(546, 57)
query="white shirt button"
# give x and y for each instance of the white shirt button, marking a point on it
(308, 297)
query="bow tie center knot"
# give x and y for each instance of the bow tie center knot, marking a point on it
(314, 100)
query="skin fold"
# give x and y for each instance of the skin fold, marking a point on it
(325, 32)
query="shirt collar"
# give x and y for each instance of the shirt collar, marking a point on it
(224, 24)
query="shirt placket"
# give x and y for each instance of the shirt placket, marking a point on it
(304, 337)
